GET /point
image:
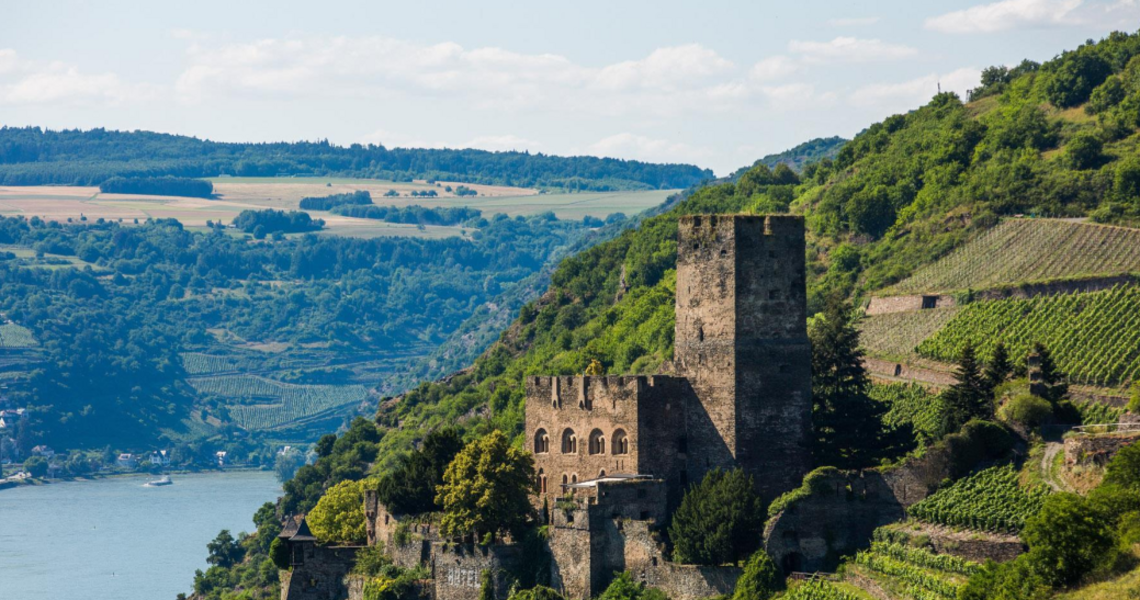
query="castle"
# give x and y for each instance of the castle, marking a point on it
(614, 454)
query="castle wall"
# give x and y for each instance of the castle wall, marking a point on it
(457, 569)
(641, 410)
(321, 576)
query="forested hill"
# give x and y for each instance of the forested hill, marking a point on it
(900, 195)
(802, 154)
(34, 156)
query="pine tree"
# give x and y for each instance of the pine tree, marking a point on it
(720, 520)
(849, 428)
(998, 369)
(970, 397)
(1053, 379)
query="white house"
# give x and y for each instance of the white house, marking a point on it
(127, 460)
(221, 456)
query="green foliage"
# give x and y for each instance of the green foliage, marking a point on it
(916, 579)
(355, 198)
(346, 458)
(224, 550)
(34, 156)
(970, 397)
(1084, 151)
(897, 335)
(849, 427)
(1068, 541)
(623, 587)
(1027, 410)
(989, 500)
(279, 554)
(538, 592)
(268, 221)
(1105, 96)
(410, 488)
(486, 585)
(1075, 78)
(1064, 323)
(1124, 468)
(719, 521)
(158, 186)
(339, 514)
(486, 489)
(911, 406)
(413, 215)
(814, 482)
(821, 589)
(36, 466)
(761, 578)
(1015, 580)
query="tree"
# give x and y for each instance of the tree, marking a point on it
(486, 489)
(1053, 386)
(623, 587)
(1084, 151)
(224, 551)
(1106, 96)
(848, 423)
(36, 466)
(998, 369)
(1124, 468)
(286, 464)
(761, 579)
(410, 488)
(1075, 79)
(339, 514)
(719, 520)
(970, 396)
(1068, 540)
(279, 553)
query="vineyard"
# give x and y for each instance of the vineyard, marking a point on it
(899, 334)
(196, 363)
(1097, 413)
(821, 589)
(915, 573)
(913, 405)
(990, 500)
(1094, 337)
(1041, 250)
(14, 337)
(264, 404)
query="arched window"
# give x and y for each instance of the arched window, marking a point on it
(541, 442)
(601, 473)
(597, 442)
(574, 478)
(541, 482)
(565, 479)
(620, 444)
(569, 442)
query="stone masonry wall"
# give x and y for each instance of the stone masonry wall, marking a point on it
(322, 574)
(1096, 449)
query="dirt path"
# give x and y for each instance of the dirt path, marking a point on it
(1047, 459)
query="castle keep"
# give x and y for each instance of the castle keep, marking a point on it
(740, 392)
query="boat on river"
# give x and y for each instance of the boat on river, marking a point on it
(164, 480)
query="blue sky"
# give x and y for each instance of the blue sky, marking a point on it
(715, 83)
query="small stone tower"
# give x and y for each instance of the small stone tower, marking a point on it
(741, 340)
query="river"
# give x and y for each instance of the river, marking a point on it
(113, 539)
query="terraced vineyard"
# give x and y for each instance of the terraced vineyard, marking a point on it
(262, 403)
(14, 337)
(915, 573)
(913, 405)
(821, 589)
(899, 334)
(989, 500)
(1025, 250)
(197, 363)
(1094, 337)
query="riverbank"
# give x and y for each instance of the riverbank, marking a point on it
(13, 482)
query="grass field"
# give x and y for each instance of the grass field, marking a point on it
(1027, 250)
(59, 203)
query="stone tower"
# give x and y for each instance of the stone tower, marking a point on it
(741, 340)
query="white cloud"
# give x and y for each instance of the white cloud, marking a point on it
(853, 21)
(850, 50)
(667, 81)
(26, 81)
(1006, 15)
(639, 147)
(796, 96)
(898, 97)
(773, 67)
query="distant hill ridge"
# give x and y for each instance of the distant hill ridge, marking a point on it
(35, 156)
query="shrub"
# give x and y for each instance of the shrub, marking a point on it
(1084, 151)
(339, 514)
(719, 520)
(1076, 78)
(623, 587)
(761, 579)
(36, 466)
(1105, 96)
(279, 553)
(1124, 468)
(1068, 542)
(1027, 410)
(538, 592)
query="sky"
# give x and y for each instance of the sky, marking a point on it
(714, 83)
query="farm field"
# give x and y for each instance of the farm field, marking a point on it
(897, 335)
(260, 403)
(989, 500)
(60, 203)
(1029, 250)
(14, 337)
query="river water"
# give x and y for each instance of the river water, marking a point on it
(114, 539)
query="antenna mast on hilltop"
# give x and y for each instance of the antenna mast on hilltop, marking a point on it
(939, 87)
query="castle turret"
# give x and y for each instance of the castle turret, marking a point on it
(741, 340)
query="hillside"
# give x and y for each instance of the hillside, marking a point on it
(34, 156)
(800, 155)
